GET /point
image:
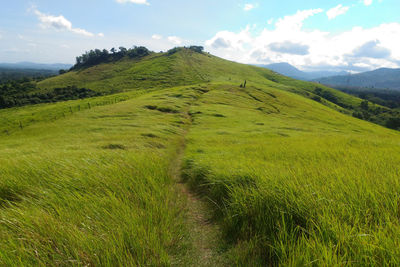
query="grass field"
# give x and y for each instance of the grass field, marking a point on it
(93, 188)
(288, 181)
(293, 183)
(186, 67)
(182, 68)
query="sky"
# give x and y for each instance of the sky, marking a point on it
(351, 35)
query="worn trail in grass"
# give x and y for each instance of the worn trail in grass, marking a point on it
(101, 186)
(294, 182)
(274, 178)
(205, 236)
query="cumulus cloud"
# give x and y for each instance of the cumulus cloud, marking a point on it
(372, 50)
(248, 7)
(295, 22)
(337, 11)
(220, 42)
(156, 37)
(139, 2)
(230, 40)
(289, 48)
(290, 42)
(175, 40)
(60, 23)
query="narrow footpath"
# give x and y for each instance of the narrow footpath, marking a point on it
(205, 235)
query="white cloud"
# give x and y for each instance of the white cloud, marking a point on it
(175, 40)
(248, 7)
(295, 22)
(59, 23)
(337, 11)
(367, 2)
(156, 37)
(310, 48)
(289, 48)
(100, 34)
(372, 49)
(139, 2)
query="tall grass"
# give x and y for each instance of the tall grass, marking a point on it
(293, 183)
(94, 188)
(186, 67)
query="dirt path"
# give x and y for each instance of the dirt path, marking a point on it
(205, 236)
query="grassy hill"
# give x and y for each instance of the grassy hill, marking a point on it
(163, 70)
(287, 178)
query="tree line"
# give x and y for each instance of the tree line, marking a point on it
(367, 110)
(24, 92)
(97, 56)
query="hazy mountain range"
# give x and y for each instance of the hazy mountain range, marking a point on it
(291, 71)
(36, 66)
(383, 78)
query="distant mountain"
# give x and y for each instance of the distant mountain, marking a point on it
(291, 71)
(35, 66)
(383, 78)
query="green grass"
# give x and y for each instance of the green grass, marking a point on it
(293, 182)
(162, 70)
(93, 188)
(182, 68)
(290, 181)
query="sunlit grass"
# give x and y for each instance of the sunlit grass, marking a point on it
(291, 181)
(93, 188)
(304, 185)
(161, 70)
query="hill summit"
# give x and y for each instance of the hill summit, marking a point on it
(105, 73)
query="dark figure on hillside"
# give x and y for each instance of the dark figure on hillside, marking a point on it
(245, 82)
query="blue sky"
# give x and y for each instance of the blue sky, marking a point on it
(347, 34)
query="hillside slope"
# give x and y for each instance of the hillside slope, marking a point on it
(289, 180)
(185, 67)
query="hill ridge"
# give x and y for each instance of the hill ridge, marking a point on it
(185, 66)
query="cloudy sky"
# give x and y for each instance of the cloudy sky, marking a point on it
(353, 35)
